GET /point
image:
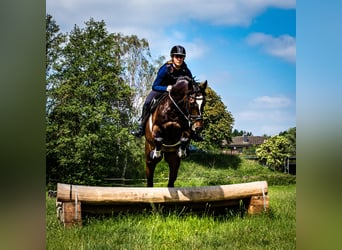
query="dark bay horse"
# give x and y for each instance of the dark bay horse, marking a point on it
(169, 126)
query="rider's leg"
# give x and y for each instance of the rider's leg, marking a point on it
(141, 128)
(145, 113)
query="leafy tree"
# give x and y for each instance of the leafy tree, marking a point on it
(290, 134)
(274, 151)
(88, 110)
(217, 119)
(139, 70)
(54, 40)
(241, 133)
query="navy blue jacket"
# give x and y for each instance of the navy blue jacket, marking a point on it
(168, 75)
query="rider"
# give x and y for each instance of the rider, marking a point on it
(166, 77)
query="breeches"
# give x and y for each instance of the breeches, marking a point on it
(150, 97)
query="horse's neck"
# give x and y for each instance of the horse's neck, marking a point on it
(183, 84)
(179, 93)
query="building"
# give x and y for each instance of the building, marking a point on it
(239, 143)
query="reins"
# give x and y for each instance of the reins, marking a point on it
(173, 101)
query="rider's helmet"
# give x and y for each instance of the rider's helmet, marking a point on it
(177, 50)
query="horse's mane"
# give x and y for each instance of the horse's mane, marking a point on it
(182, 87)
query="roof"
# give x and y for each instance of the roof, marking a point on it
(246, 140)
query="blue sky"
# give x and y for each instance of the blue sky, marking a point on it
(246, 49)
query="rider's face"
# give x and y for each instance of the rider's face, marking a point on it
(178, 60)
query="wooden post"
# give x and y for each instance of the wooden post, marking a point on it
(258, 204)
(69, 213)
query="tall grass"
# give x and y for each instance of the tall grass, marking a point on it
(153, 230)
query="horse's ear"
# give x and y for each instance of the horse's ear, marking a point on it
(203, 85)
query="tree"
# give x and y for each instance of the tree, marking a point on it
(88, 109)
(274, 151)
(241, 133)
(217, 119)
(290, 134)
(54, 40)
(139, 70)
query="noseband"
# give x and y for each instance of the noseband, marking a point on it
(199, 102)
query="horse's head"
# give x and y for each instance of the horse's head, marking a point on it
(196, 100)
(192, 96)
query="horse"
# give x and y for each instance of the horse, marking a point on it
(169, 127)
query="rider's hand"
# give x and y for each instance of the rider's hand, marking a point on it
(169, 87)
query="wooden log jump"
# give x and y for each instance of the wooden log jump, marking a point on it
(73, 200)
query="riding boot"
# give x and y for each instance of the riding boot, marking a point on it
(141, 129)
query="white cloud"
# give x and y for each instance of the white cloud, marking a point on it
(260, 122)
(270, 102)
(150, 14)
(266, 115)
(283, 46)
(263, 115)
(151, 19)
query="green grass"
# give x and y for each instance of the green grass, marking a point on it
(179, 230)
(148, 230)
(219, 169)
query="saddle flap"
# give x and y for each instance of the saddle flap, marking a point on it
(155, 101)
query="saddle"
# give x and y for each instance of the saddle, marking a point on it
(155, 102)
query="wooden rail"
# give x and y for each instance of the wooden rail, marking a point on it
(71, 199)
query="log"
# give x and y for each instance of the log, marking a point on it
(108, 200)
(106, 195)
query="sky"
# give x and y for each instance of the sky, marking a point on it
(245, 49)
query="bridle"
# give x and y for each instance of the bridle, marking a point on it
(197, 98)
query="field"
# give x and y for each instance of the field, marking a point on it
(178, 230)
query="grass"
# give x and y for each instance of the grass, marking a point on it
(274, 230)
(178, 230)
(219, 169)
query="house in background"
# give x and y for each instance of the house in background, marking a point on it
(243, 142)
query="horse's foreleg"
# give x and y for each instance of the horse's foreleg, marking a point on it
(172, 177)
(149, 174)
(182, 149)
(174, 163)
(156, 152)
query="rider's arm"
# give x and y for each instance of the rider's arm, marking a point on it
(157, 84)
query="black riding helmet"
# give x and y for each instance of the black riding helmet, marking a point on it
(178, 50)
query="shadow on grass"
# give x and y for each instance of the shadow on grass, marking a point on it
(166, 211)
(215, 160)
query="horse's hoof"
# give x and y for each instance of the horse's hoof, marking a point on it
(155, 154)
(181, 153)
